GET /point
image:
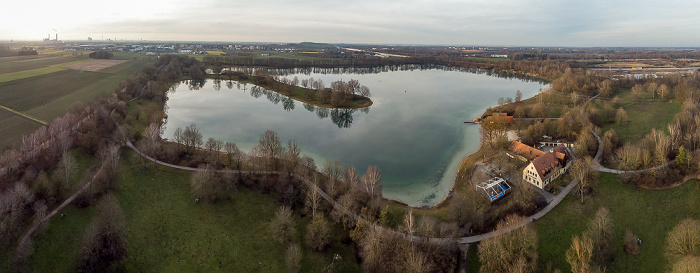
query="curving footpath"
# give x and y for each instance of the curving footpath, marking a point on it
(599, 154)
(70, 199)
(324, 195)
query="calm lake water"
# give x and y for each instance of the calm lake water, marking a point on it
(414, 132)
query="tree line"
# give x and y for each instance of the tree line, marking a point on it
(42, 171)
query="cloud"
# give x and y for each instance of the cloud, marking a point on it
(496, 22)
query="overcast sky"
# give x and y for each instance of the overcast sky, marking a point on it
(470, 22)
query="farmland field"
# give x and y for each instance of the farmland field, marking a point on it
(13, 127)
(96, 65)
(44, 87)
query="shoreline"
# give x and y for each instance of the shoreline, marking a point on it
(297, 92)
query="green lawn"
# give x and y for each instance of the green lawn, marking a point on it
(649, 214)
(169, 232)
(643, 116)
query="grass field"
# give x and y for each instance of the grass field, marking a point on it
(643, 116)
(169, 232)
(649, 214)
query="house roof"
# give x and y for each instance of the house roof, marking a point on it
(500, 117)
(525, 151)
(548, 163)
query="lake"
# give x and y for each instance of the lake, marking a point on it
(414, 132)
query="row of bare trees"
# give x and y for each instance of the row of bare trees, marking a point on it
(43, 171)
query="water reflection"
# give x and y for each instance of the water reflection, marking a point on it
(390, 68)
(196, 84)
(342, 118)
(309, 107)
(415, 132)
(217, 84)
(288, 104)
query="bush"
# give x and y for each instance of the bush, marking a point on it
(318, 233)
(631, 243)
(101, 54)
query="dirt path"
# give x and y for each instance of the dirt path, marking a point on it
(70, 199)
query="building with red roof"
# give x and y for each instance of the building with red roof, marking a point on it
(544, 167)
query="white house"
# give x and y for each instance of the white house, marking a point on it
(544, 167)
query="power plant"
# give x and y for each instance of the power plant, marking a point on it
(48, 38)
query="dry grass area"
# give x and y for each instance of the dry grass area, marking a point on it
(95, 65)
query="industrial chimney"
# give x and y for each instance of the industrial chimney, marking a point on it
(57, 37)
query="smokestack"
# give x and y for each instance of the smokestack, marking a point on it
(49, 38)
(56, 37)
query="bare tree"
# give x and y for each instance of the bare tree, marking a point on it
(313, 197)
(515, 251)
(65, 140)
(664, 91)
(662, 146)
(14, 204)
(67, 166)
(687, 264)
(600, 230)
(318, 233)
(292, 157)
(628, 157)
(192, 138)
(610, 143)
(581, 171)
(210, 186)
(293, 258)
(345, 210)
(416, 262)
(282, 226)
(152, 134)
(518, 95)
(110, 160)
(580, 255)
(621, 116)
(372, 181)
(179, 137)
(684, 239)
(104, 241)
(270, 147)
(638, 92)
(409, 224)
(333, 170)
(214, 146)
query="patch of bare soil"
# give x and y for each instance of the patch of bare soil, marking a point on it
(95, 65)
